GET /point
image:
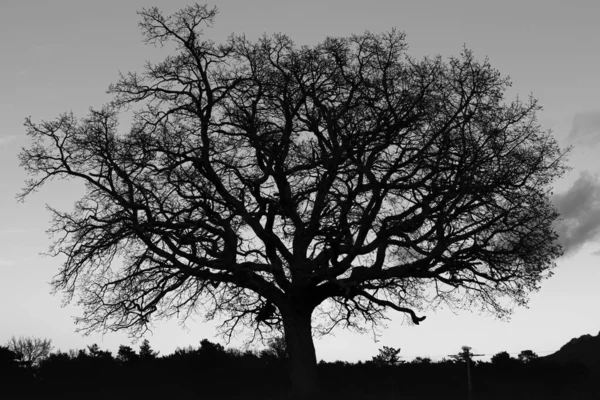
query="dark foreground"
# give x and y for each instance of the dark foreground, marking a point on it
(338, 380)
(211, 372)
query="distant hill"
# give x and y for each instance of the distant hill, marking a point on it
(584, 349)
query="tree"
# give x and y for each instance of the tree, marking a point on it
(185, 352)
(29, 350)
(97, 353)
(502, 359)
(526, 356)
(126, 354)
(422, 361)
(146, 352)
(296, 189)
(387, 356)
(278, 348)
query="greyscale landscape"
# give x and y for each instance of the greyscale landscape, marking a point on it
(207, 371)
(286, 190)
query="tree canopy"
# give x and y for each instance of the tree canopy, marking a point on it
(261, 181)
(30, 351)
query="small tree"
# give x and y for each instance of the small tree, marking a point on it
(294, 189)
(185, 351)
(502, 359)
(388, 356)
(95, 352)
(29, 350)
(211, 351)
(126, 354)
(422, 360)
(526, 356)
(146, 352)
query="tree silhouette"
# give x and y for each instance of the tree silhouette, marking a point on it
(29, 350)
(387, 356)
(97, 353)
(209, 348)
(422, 360)
(126, 354)
(527, 356)
(502, 359)
(262, 181)
(146, 352)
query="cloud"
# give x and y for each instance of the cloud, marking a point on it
(579, 209)
(585, 128)
(7, 263)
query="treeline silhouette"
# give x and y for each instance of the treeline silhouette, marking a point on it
(211, 371)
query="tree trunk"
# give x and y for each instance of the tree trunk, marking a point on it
(301, 350)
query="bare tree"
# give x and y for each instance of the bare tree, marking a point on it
(297, 189)
(29, 350)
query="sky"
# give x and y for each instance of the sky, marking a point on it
(60, 56)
